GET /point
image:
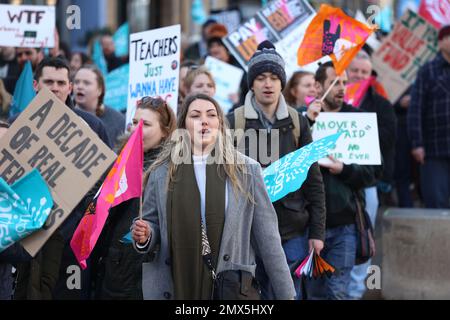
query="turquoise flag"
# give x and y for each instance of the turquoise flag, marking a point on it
(116, 83)
(23, 92)
(24, 208)
(127, 239)
(288, 174)
(121, 40)
(99, 58)
(198, 12)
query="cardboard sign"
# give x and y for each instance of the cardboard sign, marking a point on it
(412, 43)
(71, 158)
(154, 67)
(227, 78)
(359, 144)
(27, 26)
(283, 22)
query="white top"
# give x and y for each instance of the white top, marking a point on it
(200, 176)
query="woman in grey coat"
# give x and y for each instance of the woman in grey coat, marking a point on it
(207, 216)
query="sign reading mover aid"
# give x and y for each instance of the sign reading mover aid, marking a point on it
(359, 142)
(27, 26)
(154, 67)
(51, 138)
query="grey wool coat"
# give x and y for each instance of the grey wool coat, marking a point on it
(250, 228)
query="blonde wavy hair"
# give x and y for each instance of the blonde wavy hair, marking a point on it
(225, 154)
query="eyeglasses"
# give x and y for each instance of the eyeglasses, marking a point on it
(155, 103)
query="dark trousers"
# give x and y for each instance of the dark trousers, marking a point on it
(403, 166)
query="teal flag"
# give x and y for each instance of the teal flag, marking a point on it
(198, 12)
(99, 58)
(127, 239)
(288, 174)
(116, 82)
(23, 92)
(24, 208)
(121, 40)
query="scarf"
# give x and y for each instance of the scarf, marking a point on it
(191, 277)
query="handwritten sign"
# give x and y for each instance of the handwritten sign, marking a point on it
(359, 143)
(227, 79)
(412, 43)
(27, 26)
(71, 158)
(154, 67)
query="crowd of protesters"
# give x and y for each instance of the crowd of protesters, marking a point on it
(224, 210)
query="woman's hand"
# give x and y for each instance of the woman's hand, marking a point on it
(141, 232)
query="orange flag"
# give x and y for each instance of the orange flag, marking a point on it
(333, 33)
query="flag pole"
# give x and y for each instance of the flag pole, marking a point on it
(329, 89)
(140, 207)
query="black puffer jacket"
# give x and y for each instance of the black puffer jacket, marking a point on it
(343, 189)
(117, 267)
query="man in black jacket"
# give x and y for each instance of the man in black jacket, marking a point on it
(301, 214)
(361, 69)
(344, 189)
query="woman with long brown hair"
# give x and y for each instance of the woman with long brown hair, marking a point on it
(119, 267)
(207, 215)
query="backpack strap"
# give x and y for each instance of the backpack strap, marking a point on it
(239, 122)
(296, 120)
(239, 118)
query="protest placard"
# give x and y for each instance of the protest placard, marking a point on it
(283, 22)
(227, 79)
(230, 18)
(154, 66)
(71, 158)
(27, 26)
(358, 144)
(412, 43)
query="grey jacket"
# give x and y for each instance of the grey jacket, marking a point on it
(244, 220)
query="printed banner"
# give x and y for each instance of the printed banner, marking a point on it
(154, 67)
(288, 174)
(27, 26)
(412, 43)
(24, 208)
(359, 143)
(283, 22)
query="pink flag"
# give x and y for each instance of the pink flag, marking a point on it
(124, 181)
(356, 91)
(309, 100)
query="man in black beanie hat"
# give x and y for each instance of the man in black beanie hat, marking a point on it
(281, 130)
